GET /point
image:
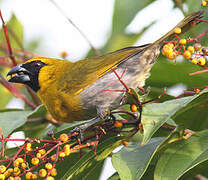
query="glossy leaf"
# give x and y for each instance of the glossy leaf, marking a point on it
(182, 156)
(132, 161)
(11, 119)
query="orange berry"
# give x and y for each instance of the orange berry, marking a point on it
(53, 157)
(197, 46)
(182, 41)
(177, 30)
(118, 124)
(125, 143)
(194, 61)
(133, 108)
(197, 91)
(191, 49)
(28, 175)
(204, 3)
(187, 54)
(17, 178)
(172, 55)
(202, 61)
(34, 176)
(64, 137)
(7, 174)
(35, 161)
(53, 172)
(42, 173)
(16, 163)
(48, 166)
(2, 168)
(50, 178)
(62, 154)
(42, 151)
(64, 54)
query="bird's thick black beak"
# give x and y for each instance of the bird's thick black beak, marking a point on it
(19, 74)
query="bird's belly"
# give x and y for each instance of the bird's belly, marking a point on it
(107, 91)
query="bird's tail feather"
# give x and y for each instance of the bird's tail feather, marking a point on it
(185, 25)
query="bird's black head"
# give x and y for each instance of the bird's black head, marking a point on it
(27, 73)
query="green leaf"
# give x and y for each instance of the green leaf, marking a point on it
(15, 33)
(115, 176)
(132, 161)
(83, 167)
(181, 156)
(11, 119)
(156, 114)
(40, 111)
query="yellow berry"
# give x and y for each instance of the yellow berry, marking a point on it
(11, 178)
(64, 137)
(35, 161)
(177, 30)
(62, 154)
(67, 149)
(38, 155)
(204, 3)
(202, 61)
(2, 177)
(2, 168)
(10, 170)
(24, 165)
(133, 107)
(48, 166)
(42, 151)
(187, 54)
(20, 160)
(53, 172)
(118, 124)
(34, 176)
(50, 178)
(194, 61)
(182, 41)
(53, 157)
(197, 46)
(28, 175)
(42, 173)
(170, 45)
(125, 143)
(191, 49)
(29, 145)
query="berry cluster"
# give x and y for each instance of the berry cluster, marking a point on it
(196, 53)
(38, 162)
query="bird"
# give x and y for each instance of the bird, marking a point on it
(89, 89)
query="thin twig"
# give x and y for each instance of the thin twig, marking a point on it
(97, 52)
(8, 41)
